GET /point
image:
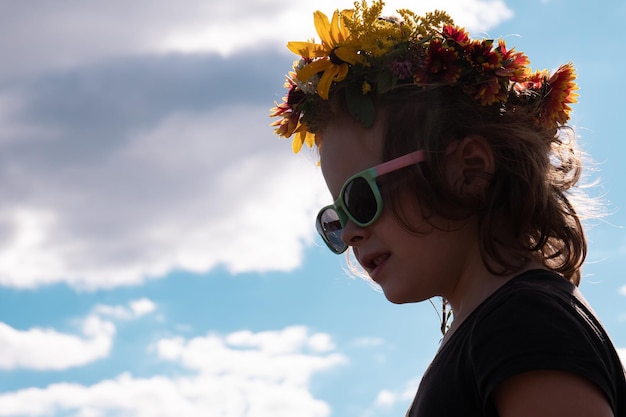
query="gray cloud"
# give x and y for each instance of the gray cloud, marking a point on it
(131, 169)
(39, 36)
(70, 33)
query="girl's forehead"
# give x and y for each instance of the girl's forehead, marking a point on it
(348, 148)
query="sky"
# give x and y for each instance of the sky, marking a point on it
(157, 250)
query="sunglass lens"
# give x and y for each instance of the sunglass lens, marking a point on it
(329, 226)
(359, 200)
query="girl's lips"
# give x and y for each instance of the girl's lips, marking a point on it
(374, 263)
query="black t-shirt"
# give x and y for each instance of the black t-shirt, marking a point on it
(536, 321)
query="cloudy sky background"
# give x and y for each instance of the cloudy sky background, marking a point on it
(157, 252)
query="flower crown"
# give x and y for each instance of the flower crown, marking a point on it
(369, 55)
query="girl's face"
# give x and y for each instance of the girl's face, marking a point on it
(407, 266)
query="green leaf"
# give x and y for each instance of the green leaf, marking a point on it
(385, 82)
(360, 106)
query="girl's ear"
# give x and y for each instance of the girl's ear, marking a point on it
(471, 166)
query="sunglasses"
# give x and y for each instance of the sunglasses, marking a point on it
(359, 200)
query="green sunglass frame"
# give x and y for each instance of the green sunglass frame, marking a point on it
(341, 209)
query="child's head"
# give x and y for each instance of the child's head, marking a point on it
(424, 84)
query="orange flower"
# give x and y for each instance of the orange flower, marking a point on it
(514, 64)
(534, 81)
(560, 94)
(482, 56)
(487, 92)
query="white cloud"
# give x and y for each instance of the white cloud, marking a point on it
(288, 356)
(321, 342)
(296, 23)
(29, 249)
(48, 349)
(237, 375)
(388, 398)
(193, 192)
(622, 354)
(142, 307)
(135, 309)
(368, 342)
(62, 37)
(622, 290)
(292, 339)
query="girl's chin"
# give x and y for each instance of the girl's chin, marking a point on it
(397, 296)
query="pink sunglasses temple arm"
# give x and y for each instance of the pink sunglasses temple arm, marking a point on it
(408, 159)
(401, 162)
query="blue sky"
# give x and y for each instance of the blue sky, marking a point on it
(157, 250)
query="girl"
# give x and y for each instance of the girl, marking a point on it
(451, 168)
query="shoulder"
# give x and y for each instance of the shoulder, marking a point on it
(530, 322)
(548, 393)
(536, 298)
(531, 297)
(537, 314)
(538, 330)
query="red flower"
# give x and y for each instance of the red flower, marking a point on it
(456, 34)
(287, 110)
(440, 65)
(286, 126)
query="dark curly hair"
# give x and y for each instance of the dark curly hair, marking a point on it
(526, 209)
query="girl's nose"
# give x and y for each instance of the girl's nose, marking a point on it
(352, 234)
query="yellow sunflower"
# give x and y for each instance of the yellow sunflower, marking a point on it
(332, 56)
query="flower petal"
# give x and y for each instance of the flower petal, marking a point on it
(322, 26)
(338, 31)
(310, 139)
(327, 79)
(296, 143)
(307, 49)
(342, 72)
(313, 68)
(343, 32)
